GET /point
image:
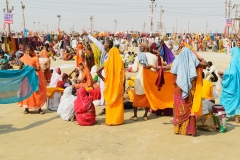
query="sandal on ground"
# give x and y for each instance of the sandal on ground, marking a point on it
(145, 118)
(40, 111)
(134, 118)
(26, 111)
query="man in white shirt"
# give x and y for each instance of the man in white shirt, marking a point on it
(74, 43)
(140, 99)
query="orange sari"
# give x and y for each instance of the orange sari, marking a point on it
(79, 58)
(47, 72)
(37, 99)
(88, 81)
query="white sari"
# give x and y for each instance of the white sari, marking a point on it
(66, 106)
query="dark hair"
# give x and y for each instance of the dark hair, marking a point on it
(203, 75)
(29, 47)
(110, 43)
(46, 46)
(117, 46)
(210, 63)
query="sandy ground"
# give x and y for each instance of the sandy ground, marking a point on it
(35, 136)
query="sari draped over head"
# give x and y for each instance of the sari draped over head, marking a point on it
(97, 54)
(115, 73)
(56, 77)
(61, 83)
(191, 73)
(114, 87)
(84, 108)
(66, 106)
(185, 65)
(230, 97)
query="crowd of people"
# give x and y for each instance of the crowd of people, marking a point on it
(165, 84)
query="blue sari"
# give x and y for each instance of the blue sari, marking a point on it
(230, 98)
(17, 85)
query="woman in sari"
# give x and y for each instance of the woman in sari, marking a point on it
(114, 87)
(89, 56)
(63, 83)
(230, 97)
(66, 107)
(84, 108)
(37, 99)
(56, 77)
(187, 93)
(79, 55)
(44, 54)
(84, 78)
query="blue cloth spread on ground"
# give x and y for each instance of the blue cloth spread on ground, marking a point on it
(230, 98)
(17, 85)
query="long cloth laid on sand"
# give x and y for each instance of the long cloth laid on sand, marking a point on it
(17, 85)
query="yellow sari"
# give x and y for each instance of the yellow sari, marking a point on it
(114, 87)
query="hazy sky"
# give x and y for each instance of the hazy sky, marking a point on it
(130, 14)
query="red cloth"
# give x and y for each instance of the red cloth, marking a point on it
(160, 80)
(84, 108)
(60, 84)
(95, 93)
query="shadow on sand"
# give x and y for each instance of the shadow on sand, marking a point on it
(8, 127)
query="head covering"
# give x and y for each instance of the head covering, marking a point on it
(80, 46)
(115, 73)
(66, 106)
(56, 77)
(230, 97)
(83, 101)
(184, 66)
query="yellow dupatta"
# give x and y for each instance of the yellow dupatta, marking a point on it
(97, 54)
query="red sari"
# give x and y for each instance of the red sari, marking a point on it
(84, 108)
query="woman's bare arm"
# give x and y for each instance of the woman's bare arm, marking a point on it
(99, 73)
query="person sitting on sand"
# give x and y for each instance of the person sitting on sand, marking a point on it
(84, 108)
(66, 106)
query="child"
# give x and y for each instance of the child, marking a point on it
(4, 63)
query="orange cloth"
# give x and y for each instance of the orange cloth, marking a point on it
(207, 90)
(140, 101)
(51, 91)
(37, 99)
(47, 72)
(131, 94)
(88, 81)
(79, 59)
(158, 99)
(114, 87)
